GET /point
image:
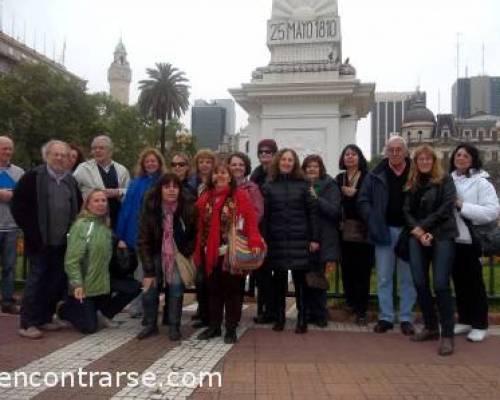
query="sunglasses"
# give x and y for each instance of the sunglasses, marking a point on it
(178, 164)
(265, 151)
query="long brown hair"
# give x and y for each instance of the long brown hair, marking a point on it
(437, 172)
(274, 170)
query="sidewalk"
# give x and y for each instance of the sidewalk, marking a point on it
(342, 361)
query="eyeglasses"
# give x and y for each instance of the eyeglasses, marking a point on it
(178, 164)
(265, 151)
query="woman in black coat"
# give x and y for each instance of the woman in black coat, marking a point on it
(167, 224)
(357, 254)
(328, 194)
(429, 213)
(290, 229)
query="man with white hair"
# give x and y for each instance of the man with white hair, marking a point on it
(9, 176)
(101, 172)
(380, 203)
(45, 203)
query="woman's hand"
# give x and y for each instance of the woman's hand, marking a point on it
(459, 204)
(79, 294)
(418, 232)
(313, 192)
(122, 245)
(147, 283)
(426, 239)
(313, 247)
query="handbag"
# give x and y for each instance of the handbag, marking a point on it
(240, 256)
(354, 231)
(317, 280)
(187, 269)
(402, 248)
(485, 238)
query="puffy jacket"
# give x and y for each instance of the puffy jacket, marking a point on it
(289, 223)
(430, 206)
(480, 202)
(328, 219)
(150, 235)
(373, 199)
(88, 255)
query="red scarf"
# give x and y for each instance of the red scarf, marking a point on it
(213, 241)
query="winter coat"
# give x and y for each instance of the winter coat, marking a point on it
(88, 177)
(149, 242)
(255, 196)
(430, 206)
(128, 219)
(88, 255)
(373, 199)
(290, 222)
(328, 219)
(480, 202)
(259, 176)
(29, 206)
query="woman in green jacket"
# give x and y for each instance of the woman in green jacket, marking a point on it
(86, 263)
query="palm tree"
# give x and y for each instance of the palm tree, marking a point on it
(164, 96)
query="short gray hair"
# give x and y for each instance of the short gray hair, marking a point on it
(103, 138)
(395, 138)
(47, 146)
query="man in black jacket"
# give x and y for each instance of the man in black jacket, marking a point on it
(380, 203)
(44, 205)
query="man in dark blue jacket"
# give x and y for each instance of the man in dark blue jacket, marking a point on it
(380, 203)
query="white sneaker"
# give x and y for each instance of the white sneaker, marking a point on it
(476, 335)
(104, 322)
(462, 329)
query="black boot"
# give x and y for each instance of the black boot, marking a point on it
(175, 314)
(150, 301)
(230, 336)
(301, 309)
(164, 319)
(209, 333)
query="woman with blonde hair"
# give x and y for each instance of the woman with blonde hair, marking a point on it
(149, 168)
(428, 210)
(86, 263)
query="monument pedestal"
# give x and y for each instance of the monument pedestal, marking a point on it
(305, 98)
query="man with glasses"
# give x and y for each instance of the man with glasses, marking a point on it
(380, 203)
(266, 149)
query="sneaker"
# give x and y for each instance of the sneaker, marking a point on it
(462, 329)
(104, 322)
(11, 308)
(476, 335)
(31, 333)
(407, 328)
(383, 326)
(50, 326)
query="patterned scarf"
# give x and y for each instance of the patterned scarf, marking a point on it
(168, 244)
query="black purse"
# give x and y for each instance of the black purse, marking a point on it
(485, 238)
(402, 248)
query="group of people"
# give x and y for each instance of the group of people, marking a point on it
(87, 226)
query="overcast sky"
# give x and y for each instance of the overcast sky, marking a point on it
(398, 44)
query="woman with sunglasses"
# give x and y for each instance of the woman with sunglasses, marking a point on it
(181, 166)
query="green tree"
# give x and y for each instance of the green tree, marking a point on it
(164, 96)
(38, 104)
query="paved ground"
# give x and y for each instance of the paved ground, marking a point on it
(339, 362)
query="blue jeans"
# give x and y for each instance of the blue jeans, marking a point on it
(386, 262)
(8, 254)
(441, 254)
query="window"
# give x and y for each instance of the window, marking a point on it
(446, 133)
(419, 136)
(474, 135)
(494, 155)
(488, 135)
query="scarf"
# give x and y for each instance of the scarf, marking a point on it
(398, 170)
(215, 204)
(168, 243)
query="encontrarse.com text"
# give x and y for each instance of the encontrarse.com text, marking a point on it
(81, 378)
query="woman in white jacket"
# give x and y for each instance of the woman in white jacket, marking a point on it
(477, 204)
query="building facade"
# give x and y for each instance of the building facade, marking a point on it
(387, 115)
(208, 124)
(120, 75)
(470, 96)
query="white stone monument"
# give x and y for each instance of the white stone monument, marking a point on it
(306, 98)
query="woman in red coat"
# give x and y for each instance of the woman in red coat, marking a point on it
(218, 207)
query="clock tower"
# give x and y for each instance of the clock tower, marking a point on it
(120, 75)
